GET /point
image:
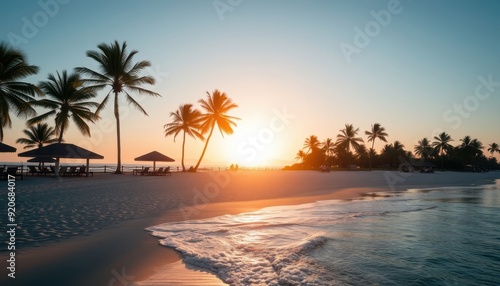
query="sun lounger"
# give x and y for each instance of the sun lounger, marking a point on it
(157, 172)
(145, 171)
(12, 171)
(45, 170)
(166, 171)
(72, 171)
(32, 170)
(3, 172)
(63, 171)
(83, 171)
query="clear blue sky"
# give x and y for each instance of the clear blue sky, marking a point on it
(414, 65)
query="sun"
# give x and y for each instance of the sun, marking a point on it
(251, 145)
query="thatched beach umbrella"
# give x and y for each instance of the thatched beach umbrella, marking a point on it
(6, 148)
(154, 156)
(62, 150)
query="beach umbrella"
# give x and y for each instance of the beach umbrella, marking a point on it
(154, 156)
(6, 148)
(42, 160)
(62, 150)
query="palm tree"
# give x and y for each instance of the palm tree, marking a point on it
(311, 143)
(392, 154)
(348, 139)
(398, 148)
(187, 120)
(38, 135)
(15, 94)
(301, 155)
(477, 146)
(466, 141)
(423, 148)
(470, 149)
(494, 148)
(216, 107)
(362, 155)
(67, 100)
(117, 71)
(442, 145)
(377, 132)
(328, 146)
(372, 153)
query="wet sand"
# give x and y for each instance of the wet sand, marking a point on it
(91, 231)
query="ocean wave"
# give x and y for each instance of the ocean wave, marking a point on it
(271, 246)
(367, 242)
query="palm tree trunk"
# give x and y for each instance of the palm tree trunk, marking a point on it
(373, 144)
(205, 148)
(60, 136)
(442, 161)
(1, 130)
(118, 142)
(183, 144)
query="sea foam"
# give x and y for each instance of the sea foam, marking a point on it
(272, 246)
(372, 241)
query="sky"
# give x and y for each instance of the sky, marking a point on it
(295, 69)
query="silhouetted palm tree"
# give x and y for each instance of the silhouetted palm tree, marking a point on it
(301, 155)
(391, 154)
(442, 145)
(424, 149)
(66, 100)
(494, 148)
(399, 148)
(117, 71)
(328, 146)
(38, 135)
(470, 149)
(15, 94)
(347, 138)
(362, 155)
(187, 120)
(216, 107)
(311, 143)
(377, 132)
(477, 146)
(466, 141)
(372, 154)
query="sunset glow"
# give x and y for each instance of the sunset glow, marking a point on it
(250, 142)
(411, 80)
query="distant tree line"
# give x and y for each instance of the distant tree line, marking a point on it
(349, 150)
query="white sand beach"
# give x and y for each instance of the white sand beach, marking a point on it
(91, 231)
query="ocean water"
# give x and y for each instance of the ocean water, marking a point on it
(445, 236)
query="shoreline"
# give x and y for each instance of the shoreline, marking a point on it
(127, 250)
